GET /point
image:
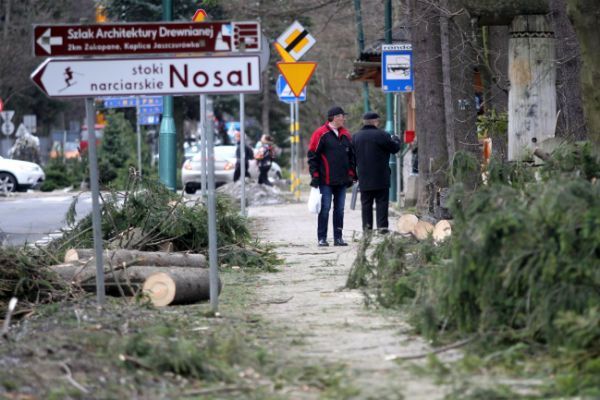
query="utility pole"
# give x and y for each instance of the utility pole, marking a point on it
(167, 138)
(361, 47)
(389, 102)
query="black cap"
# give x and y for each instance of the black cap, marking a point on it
(337, 110)
(370, 115)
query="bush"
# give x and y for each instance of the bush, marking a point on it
(523, 266)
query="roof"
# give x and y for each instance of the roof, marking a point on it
(368, 65)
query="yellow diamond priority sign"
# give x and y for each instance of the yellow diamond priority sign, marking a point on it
(297, 74)
(296, 40)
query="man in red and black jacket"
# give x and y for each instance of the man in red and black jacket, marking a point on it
(332, 169)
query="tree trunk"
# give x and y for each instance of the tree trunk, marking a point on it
(6, 20)
(585, 15)
(429, 96)
(532, 96)
(463, 60)
(571, 120)
(136, 257)
(266, 102)
(447, 84)
(178, 286)
(494, 69)
(164, 285)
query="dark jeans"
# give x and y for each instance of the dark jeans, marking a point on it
(238, 171)
(338, 194)
(382, 199)
(263, 175)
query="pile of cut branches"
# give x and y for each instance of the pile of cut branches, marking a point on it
(24, 274)
(147, 216)
(524, 266)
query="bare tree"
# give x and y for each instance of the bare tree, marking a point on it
(571, 121)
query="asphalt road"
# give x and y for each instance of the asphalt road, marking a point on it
(33, 216)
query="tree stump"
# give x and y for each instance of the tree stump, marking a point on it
(422, 230)
(442, 230)
(406, 223)
(532, 95)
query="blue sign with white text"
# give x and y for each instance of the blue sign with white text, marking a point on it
(124, 102)
(149, 119)
(285, 92)
(397, 68)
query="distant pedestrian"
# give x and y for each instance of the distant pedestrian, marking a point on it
(373, 148)
(264, 158)
(238, 157)
(332, 169)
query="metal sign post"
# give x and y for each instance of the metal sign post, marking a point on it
(212, 224)
(96, 217)
(204, 133)
(243, 154)
(292, 151)
(138, 132)
(297, 141)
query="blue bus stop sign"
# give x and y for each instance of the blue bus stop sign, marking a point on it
(285, 92)
(397, 68)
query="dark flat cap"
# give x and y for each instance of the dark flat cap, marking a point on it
(337, 110)
(370, 115)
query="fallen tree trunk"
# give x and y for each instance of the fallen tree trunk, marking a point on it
(163, 285)
(136, 257)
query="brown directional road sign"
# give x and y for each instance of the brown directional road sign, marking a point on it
(146, 38)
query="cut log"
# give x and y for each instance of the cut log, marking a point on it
(164, 285)
(406, 223)
(442, 230)
(177, 287)
(136, 257)
(422, 230)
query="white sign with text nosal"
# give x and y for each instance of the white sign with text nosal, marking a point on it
(148, 76)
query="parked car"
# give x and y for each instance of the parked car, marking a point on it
(19, 175)
(224, 168)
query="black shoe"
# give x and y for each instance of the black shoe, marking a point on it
(384, 231)
(323, 243)
(339, 242)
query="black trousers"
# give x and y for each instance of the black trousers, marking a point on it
(238, 172)
(263, 176)
(381, 198)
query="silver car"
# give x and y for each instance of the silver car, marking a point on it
(191, 173)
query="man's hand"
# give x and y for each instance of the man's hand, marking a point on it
(350, 182)
(314, 182)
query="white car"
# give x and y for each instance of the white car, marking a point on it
(224, 169)
(19, 175)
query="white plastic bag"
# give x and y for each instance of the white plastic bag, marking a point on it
(314, 200)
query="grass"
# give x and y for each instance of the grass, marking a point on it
(129, 349)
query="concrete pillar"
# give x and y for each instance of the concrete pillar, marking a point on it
(532, 74)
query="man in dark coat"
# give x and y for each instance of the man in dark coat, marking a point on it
(373, 148)
(332, 169)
